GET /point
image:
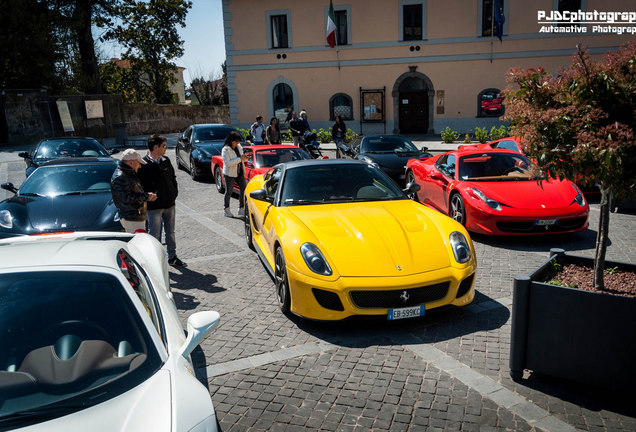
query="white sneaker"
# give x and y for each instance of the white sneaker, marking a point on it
(228, 213)
(241, 212)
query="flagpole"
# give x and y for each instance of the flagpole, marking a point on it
(492, 27)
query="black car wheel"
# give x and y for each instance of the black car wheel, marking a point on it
(457, 210)
(410, 178)
(282, 284)
(218, 180)
(248, 228)
(193, 170)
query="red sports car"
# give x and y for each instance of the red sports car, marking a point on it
(497, 191)
(261, 159)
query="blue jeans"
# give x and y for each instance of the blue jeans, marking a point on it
(163, 218)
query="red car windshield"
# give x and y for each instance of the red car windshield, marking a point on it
(497, 167)
(271, 157)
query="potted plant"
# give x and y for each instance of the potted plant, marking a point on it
(579, 125)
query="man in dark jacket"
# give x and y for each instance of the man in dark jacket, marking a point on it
(297, 128)
(157, 175)
(128, 194)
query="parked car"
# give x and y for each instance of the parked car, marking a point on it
(64, 147)
(514, 144)
(92, 339)
(498, 192)
(62, 195)
(389, 152)
(340, 238)
(198, 144)
(261, 159)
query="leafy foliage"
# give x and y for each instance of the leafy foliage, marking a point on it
(468, 138)
(481, 134)
(449, 135)
(498, 132)
(323, 135)
(148, 33)
(580, 124)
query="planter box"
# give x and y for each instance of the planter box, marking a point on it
(578, 335)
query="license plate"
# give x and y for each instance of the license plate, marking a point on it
(409, 312)
(547, 221)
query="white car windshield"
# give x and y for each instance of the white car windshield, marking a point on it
(69, 340)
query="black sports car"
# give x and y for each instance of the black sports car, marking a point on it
(389, 152)
(64, 147)
(62, 195)
(197, 145)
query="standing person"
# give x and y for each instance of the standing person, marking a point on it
(158, 175)
(258, 130)
(272, 133)
(297, 128)
(128, 193)
(233, 171)
(303, 117)
(338, 134)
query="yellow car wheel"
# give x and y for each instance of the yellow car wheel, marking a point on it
(248, 227)
(282, 284)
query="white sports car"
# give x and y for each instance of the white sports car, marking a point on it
(90, 338)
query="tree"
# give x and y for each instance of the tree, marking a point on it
(580, 125)
(29, 56)
(148, 33)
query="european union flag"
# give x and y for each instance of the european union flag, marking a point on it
(500, 19)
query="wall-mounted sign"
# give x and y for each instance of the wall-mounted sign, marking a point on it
(94, 109)
(65, 116)
(372, 105)
(405, 101)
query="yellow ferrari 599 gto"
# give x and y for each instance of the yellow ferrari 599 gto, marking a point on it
(341, 238)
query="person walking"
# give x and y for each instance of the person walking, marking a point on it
(158, 175)
(128, 193)
(233, 171)
(258, 130)
(297, 128)
(303, 117)
(338, 134)
(272, 133)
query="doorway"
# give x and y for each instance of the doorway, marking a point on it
(413, 96)
(413, 112)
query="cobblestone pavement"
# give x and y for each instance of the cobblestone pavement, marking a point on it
(446, 371)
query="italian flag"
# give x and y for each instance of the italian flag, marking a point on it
(331, 27)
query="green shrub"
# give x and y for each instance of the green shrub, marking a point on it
(481, 134)
(285, 136)
(351, 135)
(499, 132)
(449, 135)
(323, 135)
(245, 133)
(468, 138)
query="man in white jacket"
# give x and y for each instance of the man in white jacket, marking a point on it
(233, 171)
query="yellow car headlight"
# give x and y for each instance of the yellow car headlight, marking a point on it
(315, 260)
(460, 246)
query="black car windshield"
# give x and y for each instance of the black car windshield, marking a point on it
(69, 147)
(271, 157)
(218, 133)
(69, 179)
(387, 144)
(328, 183)
(497, 167)
(70, 339)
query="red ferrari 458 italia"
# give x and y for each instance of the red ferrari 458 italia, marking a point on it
(261, 159)
(497, 191)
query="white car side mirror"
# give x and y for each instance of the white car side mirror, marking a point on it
(199, 325)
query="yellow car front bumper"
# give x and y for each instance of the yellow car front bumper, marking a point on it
(318, 299)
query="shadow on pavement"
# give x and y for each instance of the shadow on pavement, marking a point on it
(186, 279)
(436, 326)
(619, 400)
(584, 240)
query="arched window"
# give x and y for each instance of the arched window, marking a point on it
(342, 105)
(490, 103)
(283, 98)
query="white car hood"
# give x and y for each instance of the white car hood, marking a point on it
(143, 408)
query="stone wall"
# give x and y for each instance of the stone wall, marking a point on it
(28, 116)
(144, 119)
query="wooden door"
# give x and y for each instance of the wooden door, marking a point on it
(413, 112)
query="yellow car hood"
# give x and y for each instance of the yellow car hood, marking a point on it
(384, 238)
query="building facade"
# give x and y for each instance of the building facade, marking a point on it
(403, 66)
